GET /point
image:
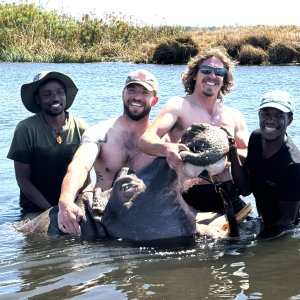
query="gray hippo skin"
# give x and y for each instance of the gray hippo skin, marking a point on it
(208, 149)
(208, 144)
(46, 222)
(143, 205)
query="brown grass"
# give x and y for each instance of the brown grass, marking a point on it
(250, 55)
(28, 33)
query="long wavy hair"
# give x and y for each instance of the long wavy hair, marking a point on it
(188, 75)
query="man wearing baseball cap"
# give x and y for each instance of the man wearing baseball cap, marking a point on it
(109, 146)
(272, 167)
(43, 144)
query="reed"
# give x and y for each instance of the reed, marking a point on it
(30, 34)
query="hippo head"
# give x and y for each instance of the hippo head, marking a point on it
(208, 150)
(146, 205)
(126, 188)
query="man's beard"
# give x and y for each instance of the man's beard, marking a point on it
(136, 117)
(208, 93)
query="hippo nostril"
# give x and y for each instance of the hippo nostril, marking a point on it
(197, 149)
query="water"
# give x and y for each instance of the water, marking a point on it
(76, 268)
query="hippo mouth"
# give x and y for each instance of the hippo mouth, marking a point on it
(208, 149)
(202, 155)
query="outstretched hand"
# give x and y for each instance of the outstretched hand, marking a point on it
(69, 217)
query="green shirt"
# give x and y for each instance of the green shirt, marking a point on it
(35, 143)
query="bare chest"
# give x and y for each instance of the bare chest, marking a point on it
(220, 116)
(190, 114)
(122, 151)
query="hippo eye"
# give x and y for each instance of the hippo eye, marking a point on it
(125, 187)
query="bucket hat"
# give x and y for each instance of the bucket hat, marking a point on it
(28, 90)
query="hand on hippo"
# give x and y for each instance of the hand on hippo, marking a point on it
(231, 140)
(173, 157)
(69, 217)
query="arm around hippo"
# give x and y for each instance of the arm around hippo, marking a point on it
(153, 142)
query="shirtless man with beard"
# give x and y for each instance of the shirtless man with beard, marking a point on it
(109, 146)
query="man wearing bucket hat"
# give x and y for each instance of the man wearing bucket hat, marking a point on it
(272, 166)
(43, 144)
(109, 146)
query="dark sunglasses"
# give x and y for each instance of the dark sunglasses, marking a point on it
(208, 70)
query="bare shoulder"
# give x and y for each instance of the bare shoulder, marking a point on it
(173, 107)
(175, 102)
(98, 132)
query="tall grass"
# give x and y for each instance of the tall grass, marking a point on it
(29, 33)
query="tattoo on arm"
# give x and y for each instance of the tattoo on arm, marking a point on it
(99, 177)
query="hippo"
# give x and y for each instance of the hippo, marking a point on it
(208, 150)
(147, 204)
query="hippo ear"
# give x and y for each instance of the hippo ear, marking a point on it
(122, 172)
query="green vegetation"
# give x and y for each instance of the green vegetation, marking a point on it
(30, 34)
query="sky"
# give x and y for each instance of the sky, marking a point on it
(195, 13)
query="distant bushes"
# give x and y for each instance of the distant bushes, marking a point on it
(250, 55)
(280, 53)
(177, 51)
(263, 45)
(275, 53)
(29, 33)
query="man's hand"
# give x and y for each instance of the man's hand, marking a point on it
(69, 217)
(230, 138)
(173, 157)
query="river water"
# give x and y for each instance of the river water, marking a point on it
(65, 267)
